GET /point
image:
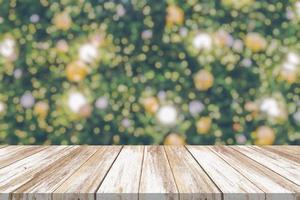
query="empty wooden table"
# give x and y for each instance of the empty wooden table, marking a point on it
(149, 172)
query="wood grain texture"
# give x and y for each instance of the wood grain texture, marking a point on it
(85, 181)
(264, 178)
(292, 153)
(15, 175)
(51, 177)
(149, 172)
(283, 166)
(12, 154)
(122, 180)
(192, 181)
(157, 181)
(2, 146)
(233, 184)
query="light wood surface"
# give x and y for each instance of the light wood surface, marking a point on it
(279, 164)
(122, 180)
(157, 181)
(232, 184)
(149, 172)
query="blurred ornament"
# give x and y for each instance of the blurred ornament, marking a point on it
(251, 106)
(240, 139)
(246, 62)
(237, 127)
(264, 136)
(174, 139)
(62, 46)
(120, 11)
(161, 95)
(175, 15)
(62, 21)
(151, 104)
(289, 69)
(41, 109)
(85, 111)
(27, 100)
(255, 42)
(223, 38)
(183, 31)
(288, 75)
(18, 73)
(126, 123)
(76, 101)
(147, 34)
(8, 48)
(88, 53)
(34, 18)
(167, 115)
(76, 71)
(97, 39)
(2, 107)
(293, 58)
(203, 125)
(237, 45)
(196, 107)
(203, 80)
(272, 108)
(202, 41)
(101, 103)
(290, 14)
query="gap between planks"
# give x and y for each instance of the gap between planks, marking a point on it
(160, 157)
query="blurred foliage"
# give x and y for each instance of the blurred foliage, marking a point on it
(149, 72)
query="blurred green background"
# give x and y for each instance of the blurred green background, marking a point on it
(149, 72)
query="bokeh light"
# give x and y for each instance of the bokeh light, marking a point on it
(150, 72)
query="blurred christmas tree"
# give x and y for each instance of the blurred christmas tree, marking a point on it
(149, 72)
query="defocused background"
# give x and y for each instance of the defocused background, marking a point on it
(149, 72)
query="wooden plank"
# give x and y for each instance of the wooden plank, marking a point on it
(285, 167)
(7, 150)
(46, 181)
(233, 184)
(22, 171)
(157, 181)
(190, 178)
(289, 153)
(11, 155)
(2, 146)
(292, 149)
(84, 183)
(149, 172)
(274, 185)
(122, 180)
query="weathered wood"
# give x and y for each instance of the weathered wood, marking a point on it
(149, 172)
(84, 183)
(262, 177)
(289, 153)
(2, 146)
(157, 181)
(15, 175)
(190, 178)
(233, 184)
(285, 167)
(122, 180)
(8, 150)
(10, 155)
(51, 177)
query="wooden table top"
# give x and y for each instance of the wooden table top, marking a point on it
(149, 172)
